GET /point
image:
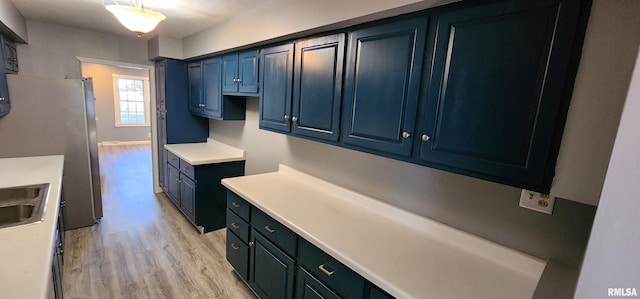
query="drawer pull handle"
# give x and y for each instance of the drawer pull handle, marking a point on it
(270, 230)
(235, 204)
(323, 269)
(234, 225)
(234, 246)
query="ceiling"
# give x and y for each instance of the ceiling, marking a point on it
(184, 17)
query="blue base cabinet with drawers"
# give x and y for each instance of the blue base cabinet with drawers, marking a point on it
(276, 263)
(196, 190)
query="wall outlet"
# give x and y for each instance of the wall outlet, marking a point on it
(537, 201)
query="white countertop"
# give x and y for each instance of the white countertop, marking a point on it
(208, 152)
(26, 251)
(407, 255)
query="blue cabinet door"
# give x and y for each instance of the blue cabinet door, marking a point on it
(173, 184)
(212, 87)
(317, 87)
(382, 84)
(188, 197)
(271, 271)
(276, 71)
(496, 88)
(230, 73)
(195, 87)
(248, 72)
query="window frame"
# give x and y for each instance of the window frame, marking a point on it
(146, 98)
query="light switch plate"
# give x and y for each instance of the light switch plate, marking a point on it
(537, 201)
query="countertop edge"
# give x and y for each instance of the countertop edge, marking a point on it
(210, 152)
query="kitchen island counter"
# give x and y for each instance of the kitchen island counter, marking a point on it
(26, 251)
(406, 255)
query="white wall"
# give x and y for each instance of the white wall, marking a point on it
(104, 93)
(276, 18)
(13, 20)
(610, 47)
(612, 254)
(163, 46)
(52, 50)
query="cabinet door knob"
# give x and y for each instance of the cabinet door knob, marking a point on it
(239, 80)
(425, 137)
(1, 99)
(250, 243)
(294, 119)
(406, 135)
(234, 246)
(270, 230)
(286, 117)
(323, 269)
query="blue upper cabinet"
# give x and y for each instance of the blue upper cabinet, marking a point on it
(276, 71)
(205, 92)
(240, 73)
(317, 87)
(496, 90)
(230, 73)
(382, 84)
(194, 73)
(212, 89)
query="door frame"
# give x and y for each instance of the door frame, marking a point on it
(154, 124)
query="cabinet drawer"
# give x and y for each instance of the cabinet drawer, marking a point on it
(173, 159)
(330, 272)
(238, 205)
(274, 231)
(187, 169)
(238, 255)
(238, 226)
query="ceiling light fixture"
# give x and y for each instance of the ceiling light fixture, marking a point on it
(135, 17)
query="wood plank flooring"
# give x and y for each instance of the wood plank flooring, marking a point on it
(144, 247)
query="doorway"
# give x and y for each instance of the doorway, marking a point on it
(125, 105)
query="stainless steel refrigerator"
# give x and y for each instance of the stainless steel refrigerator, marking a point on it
(51, 116)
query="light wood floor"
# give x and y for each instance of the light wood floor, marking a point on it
(144, 247)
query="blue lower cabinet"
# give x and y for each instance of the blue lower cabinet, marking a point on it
(238, 255)
(308, 287)
(271, 271)
(276, 263)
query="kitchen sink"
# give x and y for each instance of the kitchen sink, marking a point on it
(22, 205)
(17, 193)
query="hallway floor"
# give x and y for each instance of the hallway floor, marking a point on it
(144, 247)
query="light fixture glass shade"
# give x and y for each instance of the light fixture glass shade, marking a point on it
(136, 19)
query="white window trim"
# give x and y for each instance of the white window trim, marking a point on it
(146, 99)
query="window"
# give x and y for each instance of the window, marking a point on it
(131, 100)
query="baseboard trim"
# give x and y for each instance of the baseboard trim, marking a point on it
(116, 143)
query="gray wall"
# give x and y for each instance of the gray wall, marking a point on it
(105, 114)
(612, 255)
(486, 209)
(52, 50)
(11, 18)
